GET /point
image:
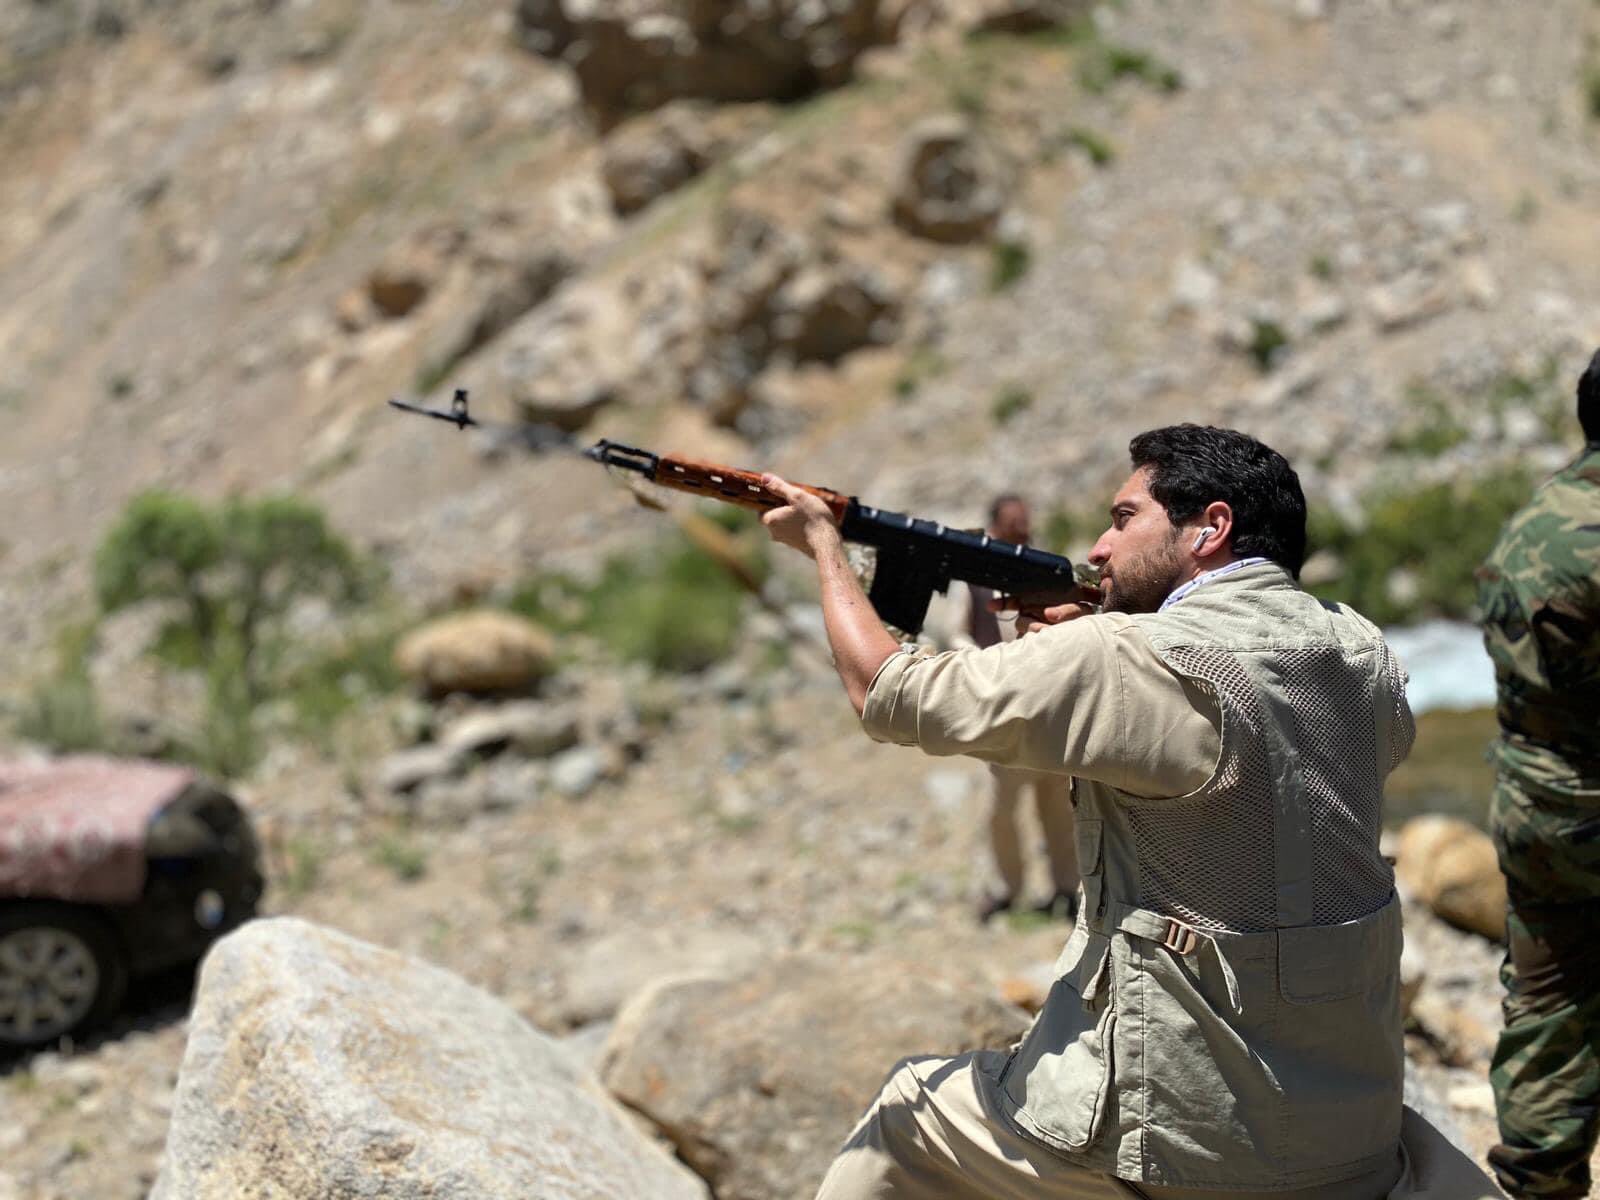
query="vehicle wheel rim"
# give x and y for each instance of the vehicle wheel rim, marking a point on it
(48, 982)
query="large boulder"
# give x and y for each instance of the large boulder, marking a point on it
(477, 652)
(757, 1079)
(318, 1065)
(1451, 867)
(631, 55)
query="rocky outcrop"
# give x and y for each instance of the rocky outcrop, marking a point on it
(953, 185)
(755, 1091)
(318, 1065)
(1451, 867)
(630, 55)
(778, 294)
(649, 157)
(476, 652)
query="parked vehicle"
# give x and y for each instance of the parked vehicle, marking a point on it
(108, 869)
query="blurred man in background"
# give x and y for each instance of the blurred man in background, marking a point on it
(1540, 596)
(1009, 520)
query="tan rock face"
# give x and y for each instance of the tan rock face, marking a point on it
(756, 1087)
(477, 652)
(1451, 867)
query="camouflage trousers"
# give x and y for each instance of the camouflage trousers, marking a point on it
(1546, 1069)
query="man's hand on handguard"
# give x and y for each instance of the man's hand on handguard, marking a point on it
(802, 521)
(1035, 612)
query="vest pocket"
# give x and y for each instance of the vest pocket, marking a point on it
(1059, 1079)
(1340, 1056)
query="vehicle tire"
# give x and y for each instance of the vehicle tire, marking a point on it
(62, 970)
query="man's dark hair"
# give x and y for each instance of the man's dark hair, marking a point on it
(1589, 400)
(999, 503)
(1193, 465)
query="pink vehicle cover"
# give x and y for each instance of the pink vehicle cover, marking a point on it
(74, 828)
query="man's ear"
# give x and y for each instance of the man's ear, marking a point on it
(1215, 535)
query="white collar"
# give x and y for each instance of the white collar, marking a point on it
(1183, 590)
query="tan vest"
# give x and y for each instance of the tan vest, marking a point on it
(1226, 1013)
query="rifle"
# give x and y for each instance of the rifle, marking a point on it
(915, 557)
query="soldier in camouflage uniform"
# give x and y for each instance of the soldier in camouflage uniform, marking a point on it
(1540, 596)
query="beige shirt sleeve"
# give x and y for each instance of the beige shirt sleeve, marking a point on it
(1089, 698)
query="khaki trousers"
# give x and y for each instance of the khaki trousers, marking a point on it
(1052, 796)
(936, 1131)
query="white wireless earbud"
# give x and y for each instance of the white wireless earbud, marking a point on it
(1203, 535)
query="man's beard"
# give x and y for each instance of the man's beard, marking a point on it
(1141, 584)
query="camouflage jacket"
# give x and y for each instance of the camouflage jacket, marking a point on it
(1539, 593)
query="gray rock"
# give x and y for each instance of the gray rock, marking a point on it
(526, 726)
(605, 973)
(731, 1069)
(318, 1065)
(408, 770)
(513, 784)
(953, 185)
(1409, 300)
(575, 772)
(655, 154)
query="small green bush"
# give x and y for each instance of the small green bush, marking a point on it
(1432, 428)
(407, 860)
(1009, 262)
(1268, 341)
(1591, 89)
(1099, 148)
(322, 688)
(62, 711)
(672, 606)
(1012, 401)
(1104, 63)
(1439, 534)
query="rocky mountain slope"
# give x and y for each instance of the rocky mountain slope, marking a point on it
(941, 249)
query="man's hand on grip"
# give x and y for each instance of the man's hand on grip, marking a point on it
(804, 523)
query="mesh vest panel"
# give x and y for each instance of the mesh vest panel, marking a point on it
(1329, 700)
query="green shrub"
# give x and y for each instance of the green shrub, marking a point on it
(1591, 89)
(1438, 534)
(1104, 63)
(325, 686)
(1008, 262)
(224, 580)
(407, 860)
(671, 606)
(1432, 427)
(1268, 341)
(1011, 402)
(921, 365)
(62, 710)
(1099, 149)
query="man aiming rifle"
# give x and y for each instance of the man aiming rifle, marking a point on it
(1225, 1016)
